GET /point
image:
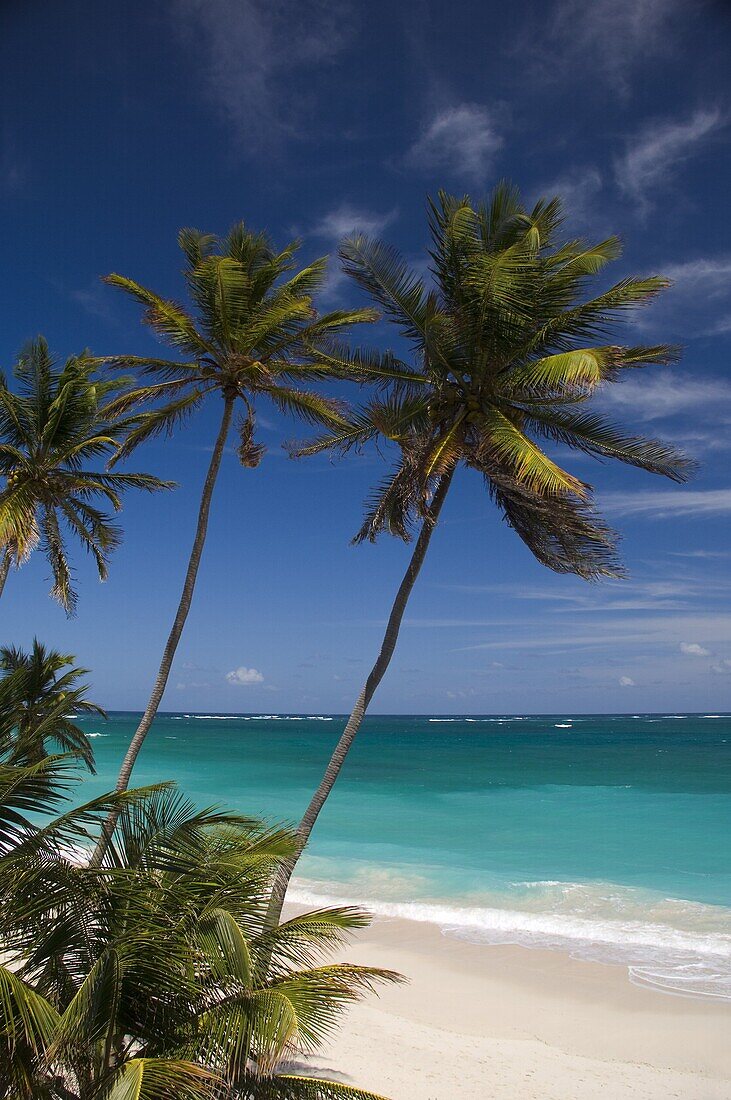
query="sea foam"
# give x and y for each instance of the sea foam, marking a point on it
(656, 953)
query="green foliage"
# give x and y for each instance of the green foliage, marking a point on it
(502, 363)
(59, 421)
(38, 704)
(152, 976)
(253, 333)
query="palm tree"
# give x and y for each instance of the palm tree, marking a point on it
(153, 976)
(253, 334)
(40, 695)
(60, 420)
(504, 359)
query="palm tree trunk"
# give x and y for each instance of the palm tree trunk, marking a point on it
(177, 629)
(5, 567)
(377, 673)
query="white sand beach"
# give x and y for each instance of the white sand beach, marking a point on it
(479, 1022)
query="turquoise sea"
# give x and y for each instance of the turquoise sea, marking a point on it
(608, 836)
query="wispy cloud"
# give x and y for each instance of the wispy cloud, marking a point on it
(608, 37)
(649, 637)
(693, 649)
(668, 503)
(722, 327)
(653, 155)
(94, 300)
(648, 397)
(671, 594)
(626, 682)
(699, 303)
(579, 192)
(244, 676)
(338, 223)
(255, 53)
(566, 642)
(703, 273)
(12, 174)
(345, 218)
(462, 140)
(699, 553)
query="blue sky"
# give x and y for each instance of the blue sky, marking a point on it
(122, 123)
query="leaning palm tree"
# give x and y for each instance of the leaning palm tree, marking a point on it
(505, 359)
(153, 976)
(253, 334)
(59, 421)
(40, 696)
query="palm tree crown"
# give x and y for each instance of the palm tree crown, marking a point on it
(40, 696)
(153, 976)
(505, 360)
(253, 332)
(60, 420)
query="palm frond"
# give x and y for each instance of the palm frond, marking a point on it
(290, 1086)
(161, 421)
(563, 534)
(591, 433)
(31, 790)
(19, 527)
(577, 260)
(55, 551)
(225, 947)
(161, 1079)
(447, 450)
(357, 430)
(311, 407)
(576, 373)
(195, 245)
(306, 938)
(528, 464)
(366, 365)
(393, 505)
(165, 317)
(382, 273)
(27, 1021)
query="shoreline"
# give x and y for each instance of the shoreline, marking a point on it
(636, 934)
(507, 1021)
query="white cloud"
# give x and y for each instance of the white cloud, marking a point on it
(607, 37)
(722, 668)
(722, 327)
(692, 649)
(638, 634)
(658, 149)
(12, 175)
(466, 693)
(336, 224)
(255, 51)
(649, 397)
(699, 302)
(462, 140)
(699, 553)
(244, 676)
(626, 682)
(704, 274)
(668, 503)
(94, 300)
(578, 191)
(565, 641)
(345, 219)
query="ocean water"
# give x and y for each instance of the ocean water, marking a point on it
(605, 836)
